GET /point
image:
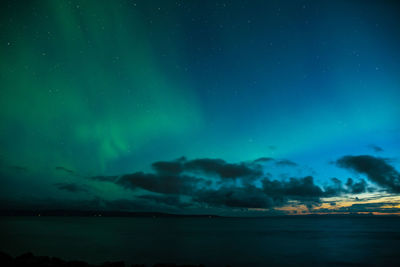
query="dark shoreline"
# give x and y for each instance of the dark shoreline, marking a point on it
(30, 260)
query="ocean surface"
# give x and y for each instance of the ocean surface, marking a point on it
(210, 241)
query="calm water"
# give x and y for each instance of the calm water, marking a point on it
(214, 242)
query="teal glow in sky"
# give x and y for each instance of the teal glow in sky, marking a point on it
(107, 88)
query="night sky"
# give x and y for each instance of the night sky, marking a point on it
(203, 107)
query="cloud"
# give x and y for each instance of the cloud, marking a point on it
(169, 167)
(63, 169)
(71, 187)
(159, 183)
(335, 188)
(207, 166)
(378, 170)
(218, 184)
(286, 162)
(221, 168)
(170, 200)
(356, 188)
(133, 205)
(208, 185)
(375, 148)
(263, 159)
(235, 197)
(272, 193)
(302, 189)
(380, 207)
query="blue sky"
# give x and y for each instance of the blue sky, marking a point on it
(109, 88)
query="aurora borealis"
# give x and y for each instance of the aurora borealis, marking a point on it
(215, 107)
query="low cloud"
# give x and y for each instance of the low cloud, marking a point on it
(337, 187)
(206, 184)
(235, 197)
(217, 183)
(294, 188)
(71, 187)
(170, 200)
(356, 187)
(380, 207)
(377, 169)
(159, 183)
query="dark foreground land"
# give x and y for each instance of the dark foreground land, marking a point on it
(30, 260)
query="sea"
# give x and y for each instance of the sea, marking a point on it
(280, 241)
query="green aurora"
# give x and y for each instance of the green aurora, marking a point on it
(106, 88)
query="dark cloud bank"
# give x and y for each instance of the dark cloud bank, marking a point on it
(215, 183)
(207, 184)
